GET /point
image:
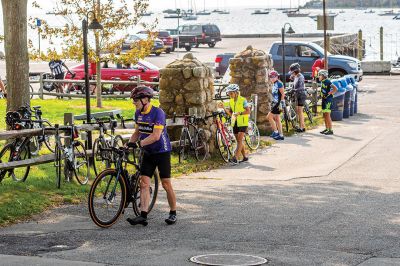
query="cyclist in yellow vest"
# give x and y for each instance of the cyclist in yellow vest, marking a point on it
(239, 110)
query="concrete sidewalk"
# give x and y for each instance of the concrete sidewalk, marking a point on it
(309, 200)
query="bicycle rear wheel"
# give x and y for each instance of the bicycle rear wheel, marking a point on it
(200, 145)
(286, 118)
(81, 164)
(183, 146)
(20, 174)
(107, 198)
(154, 182)
(30, 91)
(252, 136)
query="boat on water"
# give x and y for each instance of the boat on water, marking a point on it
(147, 14)
(170, 11)
(360, 8)
(397, 17)
(224, 12)
(342, 11)
(261, 12)
(389, 13)
(203, 13)
(288, 10)
(189, 17)
(369, 11)
(173, 16)
(297, 14)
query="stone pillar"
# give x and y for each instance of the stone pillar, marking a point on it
(185, 84)
(249, 69)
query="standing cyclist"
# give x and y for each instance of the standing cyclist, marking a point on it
(327, 92)
(56, 67)
(151, 134)
(239, 111)
(300, 93)
(278, 103)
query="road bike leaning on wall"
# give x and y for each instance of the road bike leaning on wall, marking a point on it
(114, 189)
(192, 139)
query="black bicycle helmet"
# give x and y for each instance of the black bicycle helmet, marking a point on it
(141, 92)
(12, 118)
(295, 67)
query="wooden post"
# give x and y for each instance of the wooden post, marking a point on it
(41, 86)
(325, 35)
(360, 45)
(381, 42)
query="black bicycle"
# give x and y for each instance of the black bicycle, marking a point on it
(114, 189)
(193, 139)
(72, 155)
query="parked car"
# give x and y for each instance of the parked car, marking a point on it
(111, 71)
(157, 49)
(222, 63)
(187, 41)
(206, 33)
(305, 53)
(165, 37)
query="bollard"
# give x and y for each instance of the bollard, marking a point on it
(381, 42)
(360, 45)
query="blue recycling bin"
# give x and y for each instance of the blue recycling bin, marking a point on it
(347, 97)
(355, 92)
(338, 102)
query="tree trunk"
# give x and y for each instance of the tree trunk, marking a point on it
(98, 69)
(16, 51)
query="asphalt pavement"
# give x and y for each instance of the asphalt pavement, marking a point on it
(308, 200)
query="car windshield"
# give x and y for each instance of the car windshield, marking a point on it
(147, 64)
(318, 48)
(163, 34)
(138, 37)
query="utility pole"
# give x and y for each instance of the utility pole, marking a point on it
(326, 43)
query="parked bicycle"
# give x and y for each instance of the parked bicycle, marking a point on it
(102, 157)
(17, 150)
(71, 156)
(192, 139)
(224, 138)
(3, 94)
(252, 135)
(114, 189)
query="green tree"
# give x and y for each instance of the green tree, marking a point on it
(116, 16)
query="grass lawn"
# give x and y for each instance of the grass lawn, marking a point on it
(19, 201)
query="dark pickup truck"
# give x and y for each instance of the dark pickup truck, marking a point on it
(187, 41)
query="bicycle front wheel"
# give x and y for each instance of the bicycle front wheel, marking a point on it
(154, 181)
(183, 149)
(308, 112)
(81, 164)
(252, 136)
(200, 145)
(101, 158)
(223, 146)
(31, 91)
(49, 140)
(5, 156)
(107, 198)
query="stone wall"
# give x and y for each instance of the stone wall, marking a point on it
(249, 69)
(185, 84)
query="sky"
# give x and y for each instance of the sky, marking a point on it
(163, 4)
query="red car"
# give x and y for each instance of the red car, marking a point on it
(110, 71)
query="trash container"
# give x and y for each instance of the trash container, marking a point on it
(347, 97)
(338, 102)
(355, 85)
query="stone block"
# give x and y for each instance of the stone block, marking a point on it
(194, 85)
(199, 72)
(187, 73)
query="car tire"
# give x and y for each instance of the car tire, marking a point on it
(158, 54)
(197, 45)
(173, 48)
(211, 44)
(337, 73)
(168, 50)
(188, 48)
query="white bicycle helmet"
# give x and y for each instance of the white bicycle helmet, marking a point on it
(323, 72)
(232, 88)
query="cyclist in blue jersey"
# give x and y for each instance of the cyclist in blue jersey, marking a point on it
(151, 134)
(327, 91)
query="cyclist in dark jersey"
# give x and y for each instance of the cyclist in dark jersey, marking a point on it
(327, 91)
(300, 93)
(278, 103)
(151, 134)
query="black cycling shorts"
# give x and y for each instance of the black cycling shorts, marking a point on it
(275, 109)
(301, 98)
(150, 162)
(237, 129)
(59, 76)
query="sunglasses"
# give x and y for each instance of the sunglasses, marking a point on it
(136, 100)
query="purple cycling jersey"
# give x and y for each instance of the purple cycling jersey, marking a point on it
(147, 122)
